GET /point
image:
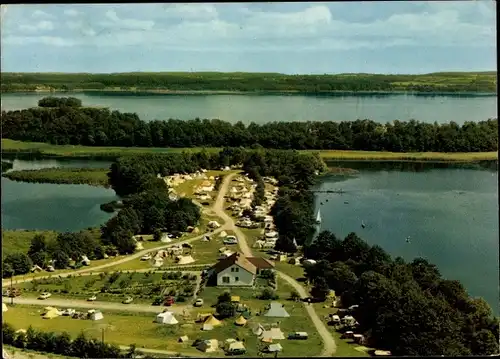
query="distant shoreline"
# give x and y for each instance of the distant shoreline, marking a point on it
(164, 92)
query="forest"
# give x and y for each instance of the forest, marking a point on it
(407, 308)
(66, 125)
(444, 82)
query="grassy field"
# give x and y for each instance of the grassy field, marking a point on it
(90, 176)
(113, 287)
(20, 240)
(86, 151)
(127, 328)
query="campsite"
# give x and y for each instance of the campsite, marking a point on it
(115, 286)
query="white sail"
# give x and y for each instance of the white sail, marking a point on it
(318, 217)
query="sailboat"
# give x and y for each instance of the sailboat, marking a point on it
(318, 217)
(363, 224)
(408, 239)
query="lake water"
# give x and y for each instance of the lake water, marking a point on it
(59, 207)
(266, 108)
(450, 214)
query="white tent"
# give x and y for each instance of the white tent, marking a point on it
(275, 348)
(277, 310)
(184, 259)
(213, 224)
(95, 315)
(258, 330)
(223, 234)
(165, 238)
(166, 318)
(157, 262)
(4, 308)
(272, 334)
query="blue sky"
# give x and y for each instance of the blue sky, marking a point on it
(338, 37)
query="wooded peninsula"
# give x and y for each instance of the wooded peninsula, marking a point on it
(242, 82)
(63, 121)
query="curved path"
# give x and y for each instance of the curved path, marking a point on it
(329, 345)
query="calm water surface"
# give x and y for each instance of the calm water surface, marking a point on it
(450, 214)
(59, 207)
(267, 108)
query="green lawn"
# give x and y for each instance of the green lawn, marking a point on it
(20, 240)
(91, 176)
(88, 151)
(127, 328)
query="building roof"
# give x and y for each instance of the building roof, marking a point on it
(238, 259)
(261, 263)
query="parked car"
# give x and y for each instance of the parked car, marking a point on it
(146, 257)
(298, 335)
(169, 301)
(198, 302)
(237, 351)
(230, 240)
(91, 299)
(44, 295)
(128, 300)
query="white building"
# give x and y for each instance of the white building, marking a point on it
(238, 270)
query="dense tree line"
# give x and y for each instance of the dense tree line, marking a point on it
(61, 344)
(407, 308)
(68, 247)
(102, 127)
(148, 212)
(60, 102)
(252, 82)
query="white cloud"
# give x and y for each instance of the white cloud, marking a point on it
(41, 14)
(47, 40)
(43, 25)
(191, 11)
(199, 27)
(125, 24)
(72, 12)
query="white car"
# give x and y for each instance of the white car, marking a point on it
(44, 295)
(91, 299)
(68, 312)
(146, 257)
(230, 240)
(198, 302)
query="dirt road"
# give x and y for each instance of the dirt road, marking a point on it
(229, 222)
(330, 347)
(76, 303)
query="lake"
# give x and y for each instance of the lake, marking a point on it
(59, 207)
(450, 214)
(266, 108)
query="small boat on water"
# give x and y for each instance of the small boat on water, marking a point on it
(346, 202)
(363, 224)
(318, 217)
(408, 239)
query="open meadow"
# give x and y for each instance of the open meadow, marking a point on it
(45, 149)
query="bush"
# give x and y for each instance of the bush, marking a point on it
(268, 294)
(181, 299)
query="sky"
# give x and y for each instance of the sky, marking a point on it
(408, 37)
